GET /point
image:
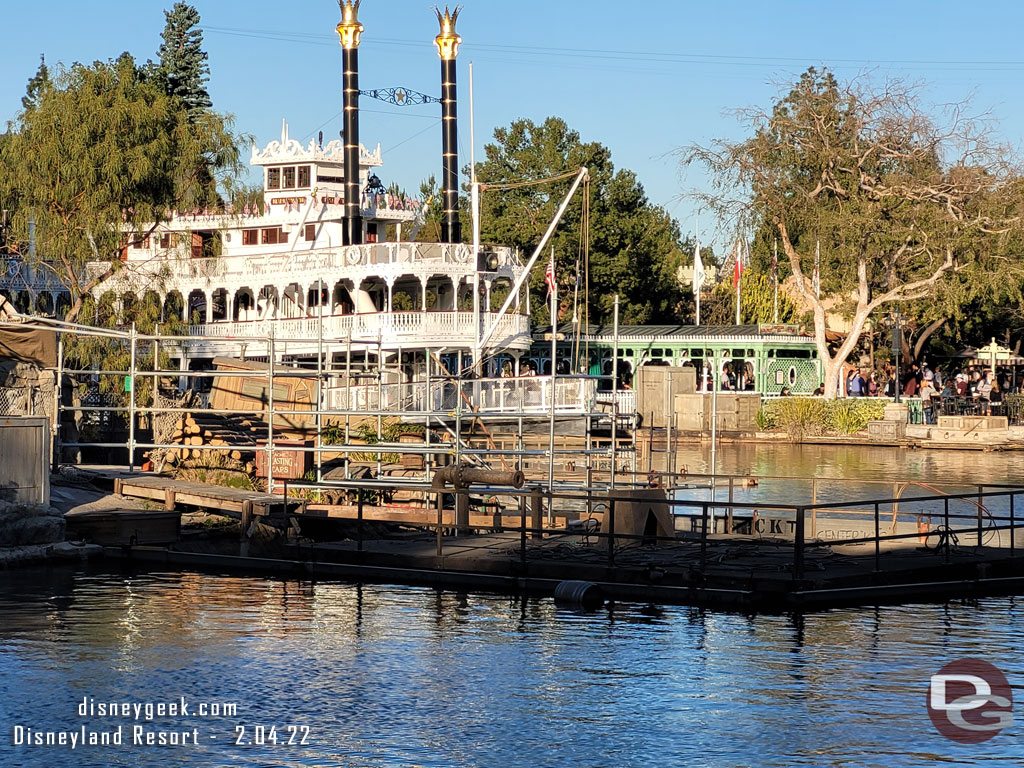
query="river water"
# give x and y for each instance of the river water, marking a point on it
(397, 676)
(401, 676)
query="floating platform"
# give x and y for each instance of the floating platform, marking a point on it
(746, 575)
(233, 502)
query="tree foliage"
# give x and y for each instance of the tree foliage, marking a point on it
(100, 158)
(757, 302)
(635, 247)
(898, 199)
(183, 67)
(36, 83)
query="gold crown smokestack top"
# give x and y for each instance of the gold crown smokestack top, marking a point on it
(349, 31)
(447, 43)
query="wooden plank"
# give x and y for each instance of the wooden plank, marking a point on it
(422, 516)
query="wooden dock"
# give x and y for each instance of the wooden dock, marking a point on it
(233, 502)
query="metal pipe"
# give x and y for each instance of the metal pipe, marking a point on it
(462, 476)
(57, 391)
(798, 544)
(554, 386)
(878, 543)
(615, 392)
(270, 416)
(131, 402)
(319, 377)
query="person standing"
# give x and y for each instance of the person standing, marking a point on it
(910, 388)
(995, 399)
(984, 388)
(927, 393)
(890, 384)
(854, 384)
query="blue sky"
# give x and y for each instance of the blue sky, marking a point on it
(643, 78)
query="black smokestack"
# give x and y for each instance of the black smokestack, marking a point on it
(349, 31)
(447, 43)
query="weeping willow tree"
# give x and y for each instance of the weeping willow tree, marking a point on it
(100, 156)
(115, 313)
(757, 302)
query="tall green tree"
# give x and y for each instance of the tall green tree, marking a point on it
(100, 158)
(635, 246)
(36, 84)
(183, 62)
(898, 198)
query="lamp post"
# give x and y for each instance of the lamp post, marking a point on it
(896, 322)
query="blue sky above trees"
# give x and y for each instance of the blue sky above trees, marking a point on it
(643, 80)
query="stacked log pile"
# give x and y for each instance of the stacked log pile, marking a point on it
(203, 435)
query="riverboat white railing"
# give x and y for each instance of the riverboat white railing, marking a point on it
(626, 399)
(269, 263)
(526, 395)
(387, 328)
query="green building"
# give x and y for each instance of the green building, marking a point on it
(755, 358)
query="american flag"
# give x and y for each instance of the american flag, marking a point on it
(549, 274)
(738, 265)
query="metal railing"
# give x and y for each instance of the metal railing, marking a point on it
(964, 525)
(442, 403)
(396, 327)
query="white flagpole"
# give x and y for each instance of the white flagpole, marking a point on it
(738, 273)
(554, 351)
(775, 276)
(698, 298)
(817, 269)
(698, 267)
(475, 204)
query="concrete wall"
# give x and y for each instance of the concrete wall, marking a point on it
(25, 459)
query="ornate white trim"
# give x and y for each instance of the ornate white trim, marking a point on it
(290, 150)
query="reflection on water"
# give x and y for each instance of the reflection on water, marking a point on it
(388, 676)
(854, 462)
(843, 472)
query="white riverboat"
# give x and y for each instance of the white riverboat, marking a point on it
(327, 274)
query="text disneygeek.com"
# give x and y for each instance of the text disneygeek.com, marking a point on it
(100, 728)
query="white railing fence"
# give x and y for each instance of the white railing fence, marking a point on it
(527, 395)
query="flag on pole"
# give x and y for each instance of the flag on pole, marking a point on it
(738, 266)
(549, 274)
(737, 275)
(698, 269)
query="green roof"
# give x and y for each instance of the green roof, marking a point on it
(682, 332)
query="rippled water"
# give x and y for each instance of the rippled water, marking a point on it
(398, 676)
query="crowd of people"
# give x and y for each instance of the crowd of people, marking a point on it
(953, 391)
